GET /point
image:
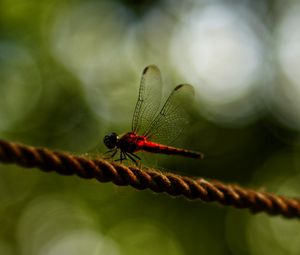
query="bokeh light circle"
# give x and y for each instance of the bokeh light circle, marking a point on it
(217, 49)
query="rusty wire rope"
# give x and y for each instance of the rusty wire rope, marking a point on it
(175, 185)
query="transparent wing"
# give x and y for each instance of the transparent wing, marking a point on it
(173, 117)
(149, 99)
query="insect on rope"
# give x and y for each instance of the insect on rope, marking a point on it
(152, 129)
(172, 184)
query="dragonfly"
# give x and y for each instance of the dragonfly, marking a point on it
(154, 126)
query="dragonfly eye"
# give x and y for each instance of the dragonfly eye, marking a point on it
(110, 140)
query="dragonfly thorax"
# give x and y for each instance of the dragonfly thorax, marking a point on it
(111, 140)
(130, 142)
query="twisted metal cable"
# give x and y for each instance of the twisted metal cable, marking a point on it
(175, 185)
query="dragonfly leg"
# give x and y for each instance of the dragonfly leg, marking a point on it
(137, 161)
(113, 151)
(122, 156)
(136, 156)
(109, 151)
(132, 158)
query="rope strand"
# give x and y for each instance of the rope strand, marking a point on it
(175, 185)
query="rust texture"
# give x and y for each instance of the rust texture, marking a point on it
(175, 185)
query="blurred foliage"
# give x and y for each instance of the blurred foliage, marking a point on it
(69, 73)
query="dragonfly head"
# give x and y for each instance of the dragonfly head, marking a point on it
(110, 140)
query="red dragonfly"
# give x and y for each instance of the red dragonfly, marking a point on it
(152, 129)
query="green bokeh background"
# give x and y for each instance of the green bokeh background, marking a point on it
(69, 73)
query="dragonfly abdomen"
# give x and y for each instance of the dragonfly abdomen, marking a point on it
(168, 150)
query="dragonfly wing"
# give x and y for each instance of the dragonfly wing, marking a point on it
(149, 99)
(173, 117)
